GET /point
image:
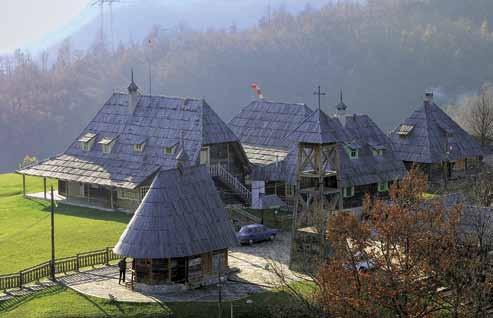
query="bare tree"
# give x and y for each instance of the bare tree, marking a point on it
(480, 117)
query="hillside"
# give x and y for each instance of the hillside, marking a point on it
(383, 55)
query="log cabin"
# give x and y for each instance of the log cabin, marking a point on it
(115, 158)
(434, 142)
(180, 234)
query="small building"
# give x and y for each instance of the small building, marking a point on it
(434, 142)
(180, 233)
(114, 159)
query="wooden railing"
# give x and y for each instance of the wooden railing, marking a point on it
(62, 265)
(217, 170)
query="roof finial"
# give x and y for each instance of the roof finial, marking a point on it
(319, 94)
(132, 87)
(341, 107)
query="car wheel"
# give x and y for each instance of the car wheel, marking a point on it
(272, 237)
(250, 242)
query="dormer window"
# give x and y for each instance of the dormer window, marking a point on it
(377, 150)
(352, 151)
(87, 141)
(139, 147)
(107, 144)
(405, 130)
(170, 150)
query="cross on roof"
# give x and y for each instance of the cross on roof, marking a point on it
(319, 94)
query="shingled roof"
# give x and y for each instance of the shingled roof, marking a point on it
(181, 215)
(266, 123)
(359, 132)
(428, 134)
(157, 122)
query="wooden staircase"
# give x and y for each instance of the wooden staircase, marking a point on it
(231, 181)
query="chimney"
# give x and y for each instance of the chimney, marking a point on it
(428, 97)
(257, 91)
(133, 95)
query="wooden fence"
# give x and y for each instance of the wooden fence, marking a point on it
(62, 265)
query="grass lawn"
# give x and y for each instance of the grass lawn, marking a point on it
(58, 302)
(25, 227)
(25, 241)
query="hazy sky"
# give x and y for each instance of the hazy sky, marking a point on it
(25, 22)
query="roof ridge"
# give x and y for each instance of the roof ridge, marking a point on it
(165, 96)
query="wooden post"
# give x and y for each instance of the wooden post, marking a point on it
(227, 148)
(24, 185)
(88, 192)
(77, 262)
(111, 199)
(169, 269)
(107, 255)
(44, 187)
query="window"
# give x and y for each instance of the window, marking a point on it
(107, 148)
(143, 191)
(107, 144)
(352, 151)
(348, 192)
(87, 141)
(139, 147)
(169, 150)
(128, 194)
(86, 146)
(405, 130)
(353, 154)
(383, 187)
(377, 152)
(204, 156)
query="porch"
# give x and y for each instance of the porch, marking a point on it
(78, 202)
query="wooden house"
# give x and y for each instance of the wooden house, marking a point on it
(180, 233)
(433, 141)
(114, 159)
(270, 132)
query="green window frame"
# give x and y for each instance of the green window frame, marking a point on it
(383, 186)
(352, 152)
(348, 192)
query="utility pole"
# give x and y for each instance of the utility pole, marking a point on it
(52, 236)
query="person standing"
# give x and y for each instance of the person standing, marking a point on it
(122, 265)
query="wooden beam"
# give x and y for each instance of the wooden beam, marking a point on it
(44, 186)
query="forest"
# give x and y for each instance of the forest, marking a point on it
(383, 54)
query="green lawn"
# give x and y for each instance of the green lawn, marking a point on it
(58, 302)
(25, 227)
(25, 241)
